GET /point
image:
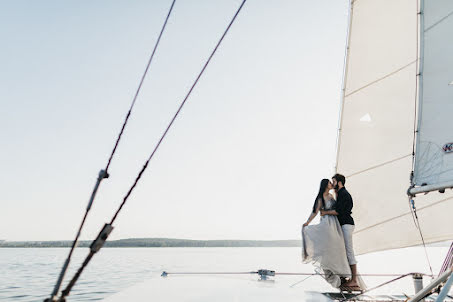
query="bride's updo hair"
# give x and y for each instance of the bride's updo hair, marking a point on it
(322, 189)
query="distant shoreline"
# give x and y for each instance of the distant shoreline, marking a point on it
(166, 242)
(154, 242)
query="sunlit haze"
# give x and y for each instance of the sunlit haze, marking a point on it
(243, 160)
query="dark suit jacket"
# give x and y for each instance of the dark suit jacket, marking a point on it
(344, 207)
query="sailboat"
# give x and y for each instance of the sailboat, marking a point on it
(395, 147)
(395, 137)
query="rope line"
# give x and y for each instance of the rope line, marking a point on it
(210, 273)
(448, 262)
(103, 236)
(299, 282)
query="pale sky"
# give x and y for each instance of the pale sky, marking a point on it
(243, 160)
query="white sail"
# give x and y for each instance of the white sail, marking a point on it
(376, 136)
(434, 157)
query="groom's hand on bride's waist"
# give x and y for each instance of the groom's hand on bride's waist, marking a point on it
(330, 212)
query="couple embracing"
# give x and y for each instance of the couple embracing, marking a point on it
(328, 244)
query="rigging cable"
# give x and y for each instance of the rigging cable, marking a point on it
(301, 281)
(418, 87)
(104, 173)
(103, 234)
(417, 224)
(140, 85)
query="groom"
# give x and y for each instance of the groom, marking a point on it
(343, 212)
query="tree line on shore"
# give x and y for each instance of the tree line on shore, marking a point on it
(157, 242)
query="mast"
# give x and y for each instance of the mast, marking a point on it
(343, 84)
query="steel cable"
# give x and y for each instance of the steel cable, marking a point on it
(103, 235)
(104, 173)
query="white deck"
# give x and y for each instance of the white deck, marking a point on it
(231, 288)
(215, 288)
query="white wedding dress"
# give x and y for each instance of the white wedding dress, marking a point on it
(323, 245)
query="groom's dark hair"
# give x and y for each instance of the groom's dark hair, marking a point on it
(340, 178)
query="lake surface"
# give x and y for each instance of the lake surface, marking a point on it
(29, 274)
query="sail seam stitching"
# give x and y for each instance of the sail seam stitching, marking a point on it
(405, 214)
(440, 21)
(380, 165)
(383, 78)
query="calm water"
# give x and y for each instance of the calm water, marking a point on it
(30, 274)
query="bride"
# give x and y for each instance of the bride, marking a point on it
(323, 243)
